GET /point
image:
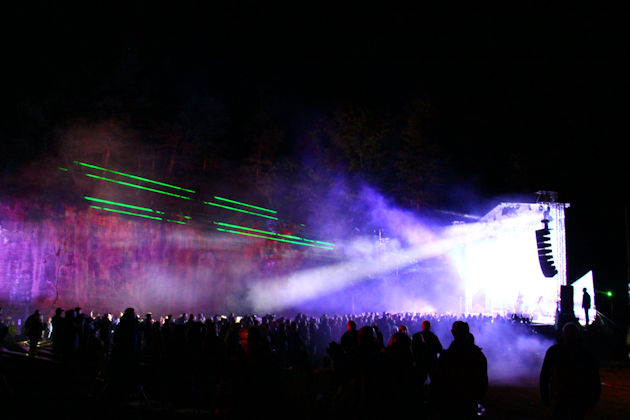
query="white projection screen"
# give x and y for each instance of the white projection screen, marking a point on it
(501, 271)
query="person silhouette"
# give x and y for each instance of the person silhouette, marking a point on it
(569, 377)
(34, 328)
(586, 304)
(433, 346)
(461, 376)
(4, 329)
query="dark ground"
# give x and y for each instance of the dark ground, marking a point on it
(37, 386)
(523, 402)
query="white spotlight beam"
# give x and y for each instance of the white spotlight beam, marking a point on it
(301, 286)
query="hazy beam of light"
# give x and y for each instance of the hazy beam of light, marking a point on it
(274, 295)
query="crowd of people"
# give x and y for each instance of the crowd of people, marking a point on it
(351, 366)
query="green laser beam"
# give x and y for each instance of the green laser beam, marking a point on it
(176, 221)
(244, 204)
(319, 242)
(137, 186)
(121, 204)
(127, 212)
(257, 230)
(267, 237)
(242, 211)
(261, 231)
(133, 176)
(63, 169)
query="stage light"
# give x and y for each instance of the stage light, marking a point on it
(609, 293)
(545, 256)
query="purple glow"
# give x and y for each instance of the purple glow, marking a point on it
(102, 261)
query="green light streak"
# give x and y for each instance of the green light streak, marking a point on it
(137, 186)
(258, 230)
(63, 169)
(127, 212)
(242, 211)
(289, 236)
(245, 228)
(133, 176)
(120, 204)
(243, 204)
(272, 233)
(319, 242)
(176, 221)
(267, 237)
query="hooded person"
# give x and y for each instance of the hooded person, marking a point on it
(569, 376)
(461, 376)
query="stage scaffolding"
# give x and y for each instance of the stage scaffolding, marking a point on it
(503, 267)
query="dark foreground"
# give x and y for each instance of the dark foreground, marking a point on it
(523, 402)
(33, 387)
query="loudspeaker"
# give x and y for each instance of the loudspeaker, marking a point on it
(566, 299)
(545, 257)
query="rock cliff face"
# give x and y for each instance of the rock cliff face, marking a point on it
(105, 262)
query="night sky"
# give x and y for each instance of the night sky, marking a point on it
(521, 100)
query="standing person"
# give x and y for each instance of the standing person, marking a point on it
(57, 334)
(33, 326)
(349, 339)
(569, 377)
(586, 304)
(4, 329)
(125, 356)
(461, 376)
(433, 346)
